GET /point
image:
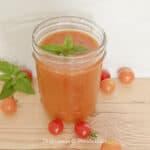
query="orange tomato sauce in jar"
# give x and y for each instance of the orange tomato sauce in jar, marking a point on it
(69, 90)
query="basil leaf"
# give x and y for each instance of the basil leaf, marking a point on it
(68, 43)
(21, 75)
(5, 77)
(23, 85)
(8, 68)
(77, 49)
(68, 48)
(7, 90)
(53, 48)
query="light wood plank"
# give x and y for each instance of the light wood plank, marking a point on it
(131, 130)
(125, 116)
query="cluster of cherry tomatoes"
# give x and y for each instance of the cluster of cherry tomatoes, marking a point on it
(107, 85)
(81, 128)
(84, 131)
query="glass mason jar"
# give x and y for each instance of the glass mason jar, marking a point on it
(69, 85)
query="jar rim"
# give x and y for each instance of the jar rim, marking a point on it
(98, 51)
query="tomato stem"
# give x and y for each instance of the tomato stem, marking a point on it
(93, 135)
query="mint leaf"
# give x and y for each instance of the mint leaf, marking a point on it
(68, 43)
(68, 48)
(21, 75)
(5, 77)
(77, 49)
(56, 49)
(23, 84)
(7, 90)
(8, 68)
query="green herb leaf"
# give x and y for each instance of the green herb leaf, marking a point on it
(5, 77)
(68, 43)
(77, 49)
(7, 90)
(8, 68)
(68, 48)
(53, 48)
(15, 80)
(21, 75)
(23, 84)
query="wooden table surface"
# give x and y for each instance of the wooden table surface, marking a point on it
(125, 116)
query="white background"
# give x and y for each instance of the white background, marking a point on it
(126, 23)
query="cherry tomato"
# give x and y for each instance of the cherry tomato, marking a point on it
(9, 106)
(126, 75)
(105, 75)
(28, 73)
(107, 86)
(111, 145)
(56, 127)
(82, 129)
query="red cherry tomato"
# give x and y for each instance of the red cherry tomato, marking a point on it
(107, 86)
(56, 127)
(82, 129)
(28, 73)
(105, 75)
(126, 75)
(110, 145)
(9, 106)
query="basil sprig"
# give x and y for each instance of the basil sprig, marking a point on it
(66, 49)
(14, 80)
